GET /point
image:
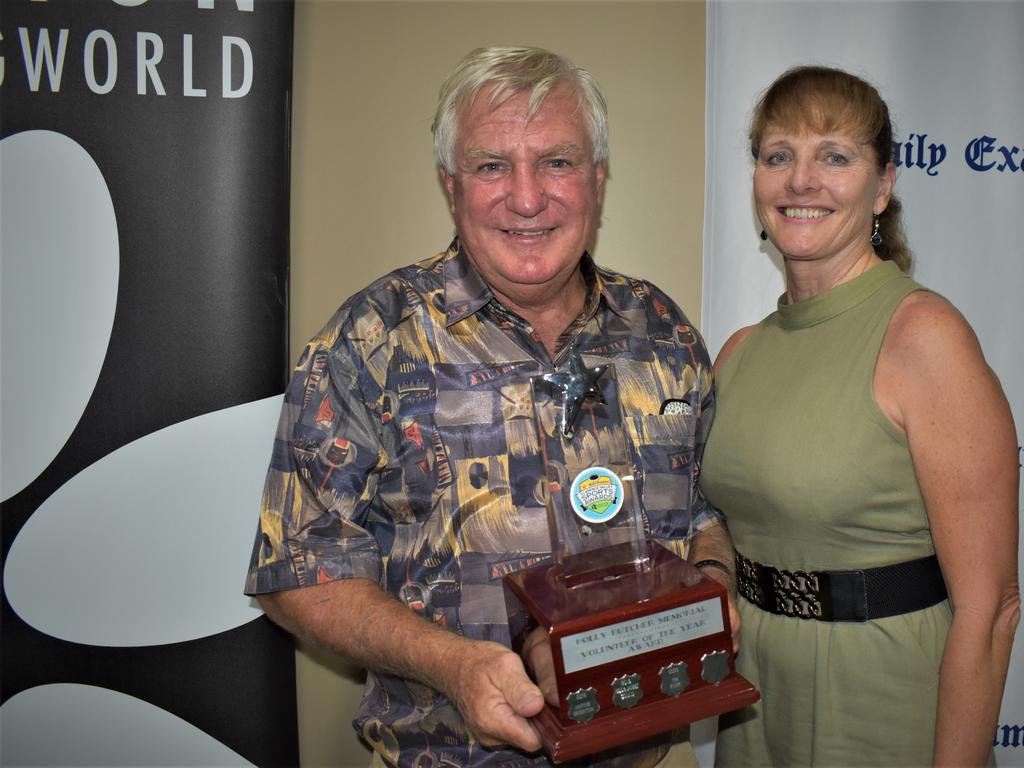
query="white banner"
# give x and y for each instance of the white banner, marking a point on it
(950, 73)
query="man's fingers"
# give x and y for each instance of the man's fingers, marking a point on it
(734, 624)
(537, 655)
(500, 724)
(509, 728)
(515, 686)
(526, 737)
(525, 698)
(496, 696)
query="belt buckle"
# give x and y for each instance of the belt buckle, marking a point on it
(802, 594)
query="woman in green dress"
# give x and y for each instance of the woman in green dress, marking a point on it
(865, 457)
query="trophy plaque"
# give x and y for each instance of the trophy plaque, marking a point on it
(625, 638)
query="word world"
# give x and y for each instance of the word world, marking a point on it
(44, 55)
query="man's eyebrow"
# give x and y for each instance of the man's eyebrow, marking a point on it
(568, 148)
(480, 153)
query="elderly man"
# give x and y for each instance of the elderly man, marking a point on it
(406, 478)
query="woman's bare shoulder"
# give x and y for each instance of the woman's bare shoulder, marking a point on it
(930, 357)
(733, 343)
(926, 329)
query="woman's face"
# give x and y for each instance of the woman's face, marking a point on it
(816, 194)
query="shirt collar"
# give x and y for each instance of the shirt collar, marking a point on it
(466, 292)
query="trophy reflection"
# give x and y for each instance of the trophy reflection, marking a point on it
(624, 638)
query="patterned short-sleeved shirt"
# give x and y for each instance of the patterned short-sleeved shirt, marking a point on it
(407, 454)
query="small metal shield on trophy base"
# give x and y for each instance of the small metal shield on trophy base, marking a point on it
(674, 678)
(582, 705)
(625, 639)
(627, 691)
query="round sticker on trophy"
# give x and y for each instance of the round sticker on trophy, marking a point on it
(596, 495)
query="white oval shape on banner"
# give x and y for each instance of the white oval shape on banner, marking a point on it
(58, 271)
(68, 724)
(150, 544)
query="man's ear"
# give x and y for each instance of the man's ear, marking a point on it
(600, 171)
(448, 179)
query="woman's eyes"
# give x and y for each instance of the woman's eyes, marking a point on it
(781, 158)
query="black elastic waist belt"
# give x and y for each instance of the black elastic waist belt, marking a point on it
(872, 593)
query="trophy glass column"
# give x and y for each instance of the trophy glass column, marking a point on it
(626, 639)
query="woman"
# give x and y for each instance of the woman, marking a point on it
(865, 457)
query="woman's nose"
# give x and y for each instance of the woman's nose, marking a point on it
(803, 176)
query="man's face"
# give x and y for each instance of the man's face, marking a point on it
(525, 194)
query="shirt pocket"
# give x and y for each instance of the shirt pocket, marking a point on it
(663, 452)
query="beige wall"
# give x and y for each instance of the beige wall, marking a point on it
(366, 199)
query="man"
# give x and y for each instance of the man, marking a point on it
(407, 478)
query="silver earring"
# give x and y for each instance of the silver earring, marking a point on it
(876, 239)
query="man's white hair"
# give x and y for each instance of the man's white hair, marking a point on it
(509, 72)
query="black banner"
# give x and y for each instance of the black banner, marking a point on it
(183, 105)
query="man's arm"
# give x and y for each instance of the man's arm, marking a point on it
(709, 548)
(355, 618)
(314, 506)
(712, 544)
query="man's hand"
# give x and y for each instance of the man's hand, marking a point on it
(715, 545)
(730, 594)
(492, 691)
(734, 623)
(541, 663)
(734, 619)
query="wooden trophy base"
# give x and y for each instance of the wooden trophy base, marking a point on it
(635, 651)
(564, 743)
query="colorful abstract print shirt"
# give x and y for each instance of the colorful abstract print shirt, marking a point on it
(407, 454)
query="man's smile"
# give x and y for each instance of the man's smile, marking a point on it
(528, 232)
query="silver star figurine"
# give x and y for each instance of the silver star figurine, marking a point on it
(576, 385)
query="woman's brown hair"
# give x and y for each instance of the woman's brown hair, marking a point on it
(826, 100)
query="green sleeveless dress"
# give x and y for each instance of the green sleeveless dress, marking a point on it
(811, 475)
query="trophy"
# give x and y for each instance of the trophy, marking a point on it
(625, 639)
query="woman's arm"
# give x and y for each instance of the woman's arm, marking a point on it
(933, 382)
